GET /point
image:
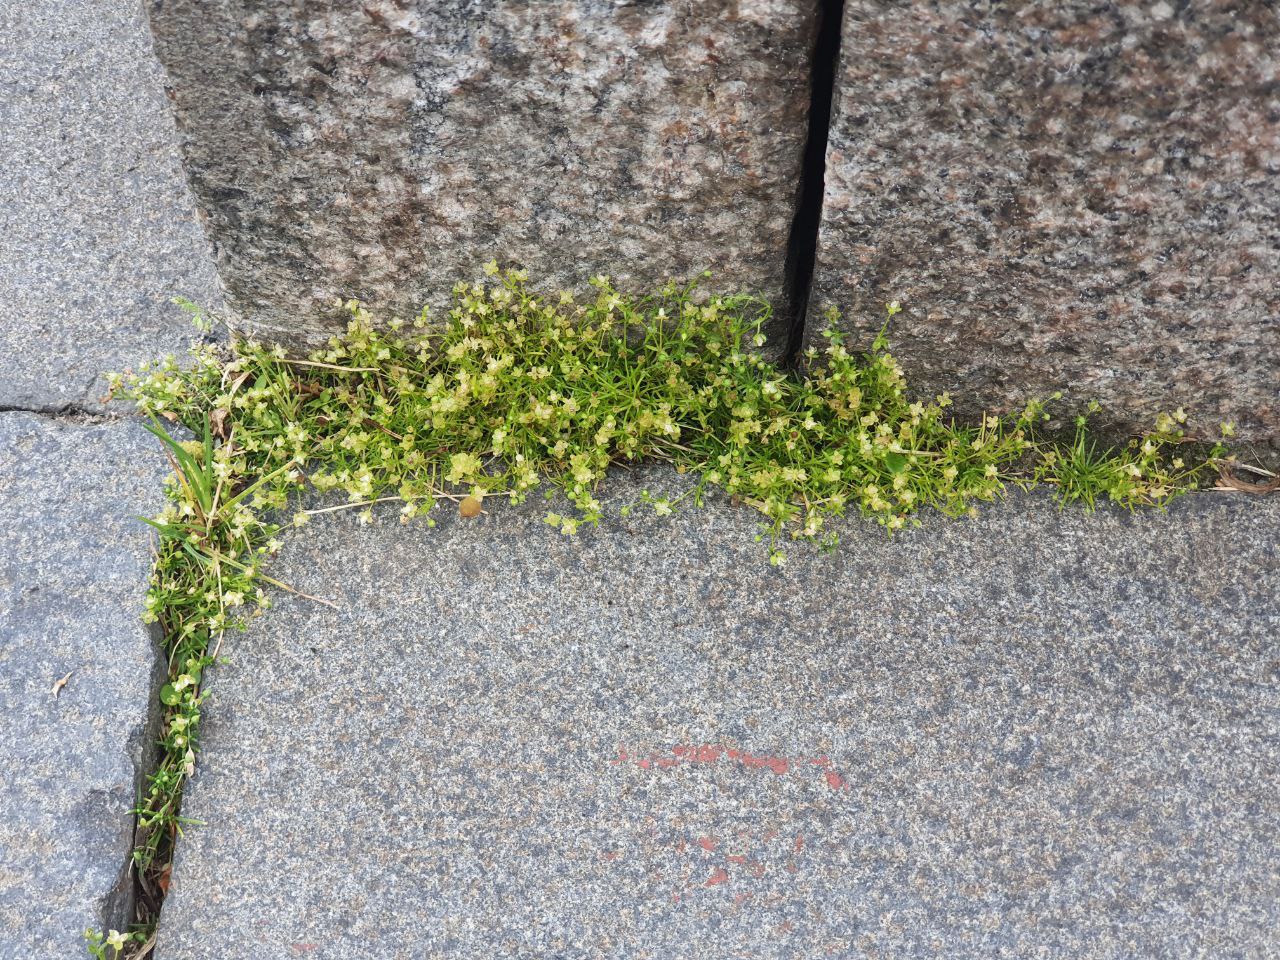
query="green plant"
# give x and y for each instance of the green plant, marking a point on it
(516, 393)
(206, 565)
(1148, 471)
(113, 944)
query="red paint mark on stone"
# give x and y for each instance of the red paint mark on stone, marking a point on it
(699, 753)
(778, 765)
(734, 858)
(611, 854)
(718, 876)
(707, 843)
(799, 842)
(710, 753)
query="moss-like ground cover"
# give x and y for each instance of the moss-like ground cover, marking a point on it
(517, 395)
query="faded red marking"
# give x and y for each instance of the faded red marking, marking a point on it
(702, 753)
(708, 843)
(834, 780)
(718, 875)
(779, 765)
(734, 858)
(757, 870)
(710, 753)
(741, 898)
(770, 834)
(799, 842)
(611, 854)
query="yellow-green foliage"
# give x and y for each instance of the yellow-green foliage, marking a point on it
(518, 394)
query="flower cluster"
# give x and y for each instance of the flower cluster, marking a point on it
(113, 945)
(1147, 471)
(517, 392)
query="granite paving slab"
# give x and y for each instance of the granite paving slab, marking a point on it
(385, 149)
(1035, 734)
(77, 674)
(1063, 195)
(97, 228)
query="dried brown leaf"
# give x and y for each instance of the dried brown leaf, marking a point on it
(218, 421)
(1228, 476)
(59, 684)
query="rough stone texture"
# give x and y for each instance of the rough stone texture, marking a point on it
(74, 562)
(97, 229)
(387, 149)
(1033, 734)
(1064, 194)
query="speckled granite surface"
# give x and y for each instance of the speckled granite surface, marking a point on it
(1034, 734)
(387, 149)
(1064, 194)
(97, 229)
(74, 564)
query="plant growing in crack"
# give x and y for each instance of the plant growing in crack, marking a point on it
(115, 944)
(518, 394)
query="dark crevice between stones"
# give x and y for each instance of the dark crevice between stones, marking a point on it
(134, 901)
(144, 898)
(802, 245)
(67, 413)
